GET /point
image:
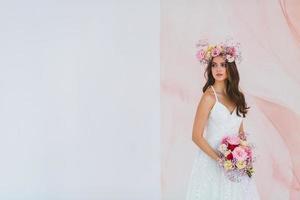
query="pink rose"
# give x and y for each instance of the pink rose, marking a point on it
(240, 154)
(234, 140)
(249, 152)
(224, 140)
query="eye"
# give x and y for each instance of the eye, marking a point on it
(223, 64)
(213, 65)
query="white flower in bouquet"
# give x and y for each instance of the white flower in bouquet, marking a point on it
(223, 148)
(226, 153)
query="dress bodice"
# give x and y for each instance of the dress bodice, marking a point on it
(221, 122)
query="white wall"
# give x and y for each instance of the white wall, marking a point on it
(79, 100)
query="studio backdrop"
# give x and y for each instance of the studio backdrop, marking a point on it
(269, 33)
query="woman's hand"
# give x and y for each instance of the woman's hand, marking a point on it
(242, 135)
(220, 161)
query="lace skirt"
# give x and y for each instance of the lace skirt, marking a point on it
(208, 182)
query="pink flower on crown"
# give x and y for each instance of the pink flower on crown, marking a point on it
(231, 51)
(215, 52)
(200, 54)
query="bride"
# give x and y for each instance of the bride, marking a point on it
(220, 112)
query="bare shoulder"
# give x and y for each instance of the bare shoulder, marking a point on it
(209, 95)
(207, 99)
(205, 105)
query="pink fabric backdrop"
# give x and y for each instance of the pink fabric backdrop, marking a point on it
(269, 32)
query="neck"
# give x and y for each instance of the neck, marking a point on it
(220, 87)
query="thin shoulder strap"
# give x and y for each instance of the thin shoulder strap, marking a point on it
(214, 92)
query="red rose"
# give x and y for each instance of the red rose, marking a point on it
(229, 156)
(231, 146)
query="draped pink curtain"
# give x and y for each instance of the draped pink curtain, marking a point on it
(269, 33)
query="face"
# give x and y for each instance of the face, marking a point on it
(218, 68)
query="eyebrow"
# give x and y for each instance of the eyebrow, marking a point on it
(216, 63)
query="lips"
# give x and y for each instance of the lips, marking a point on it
(219, 74)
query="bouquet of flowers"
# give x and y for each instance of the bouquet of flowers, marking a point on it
(236, 157)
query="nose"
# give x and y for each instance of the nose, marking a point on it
(219, 68)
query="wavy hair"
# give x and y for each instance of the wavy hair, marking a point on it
(232, 85)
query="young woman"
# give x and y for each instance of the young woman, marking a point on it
(221, 110)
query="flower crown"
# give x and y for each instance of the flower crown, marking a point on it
(229, 49)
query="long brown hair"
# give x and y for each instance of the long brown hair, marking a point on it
(232, 86)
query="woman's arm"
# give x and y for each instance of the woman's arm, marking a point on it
(242, 132)
(202, 113)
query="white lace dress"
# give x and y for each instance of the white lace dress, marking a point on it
(207, 179)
